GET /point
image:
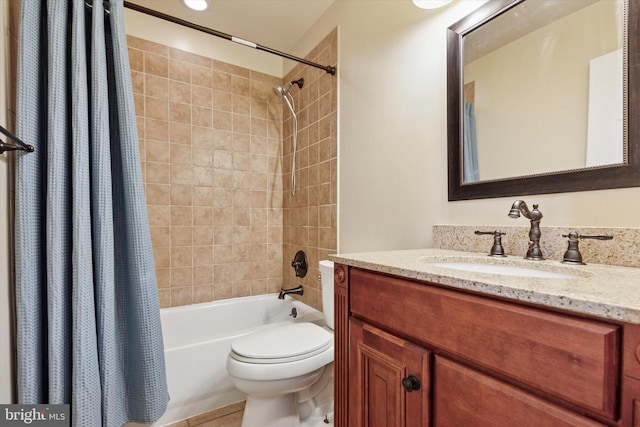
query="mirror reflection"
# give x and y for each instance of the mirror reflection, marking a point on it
(544, 90)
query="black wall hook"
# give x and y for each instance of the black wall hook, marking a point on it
(21, 146)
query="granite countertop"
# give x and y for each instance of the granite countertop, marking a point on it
(605, 291)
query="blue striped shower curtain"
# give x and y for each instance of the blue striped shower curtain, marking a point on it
(88, 319)
(471, 173)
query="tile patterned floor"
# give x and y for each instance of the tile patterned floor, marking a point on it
(229, 416)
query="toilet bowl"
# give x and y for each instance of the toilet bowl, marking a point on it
(287, 371)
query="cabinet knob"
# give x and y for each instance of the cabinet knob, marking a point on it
(411, 383)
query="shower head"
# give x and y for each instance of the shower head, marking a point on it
(282, 91)
(278, 90)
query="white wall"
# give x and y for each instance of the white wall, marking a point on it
(147, 27)
(393, 136)
(5, 307)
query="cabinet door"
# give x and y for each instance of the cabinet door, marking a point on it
(465, 397)
(381, 366)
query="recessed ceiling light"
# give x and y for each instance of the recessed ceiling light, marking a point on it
(430, 4)
(198, 5)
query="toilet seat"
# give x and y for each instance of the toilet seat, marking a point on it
(282, 344)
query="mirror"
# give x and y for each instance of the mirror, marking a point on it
(538, 96)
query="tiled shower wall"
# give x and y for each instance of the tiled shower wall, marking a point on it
(310, 215)
(210, 144)
(217, 173)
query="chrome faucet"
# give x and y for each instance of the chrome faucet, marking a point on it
(298, 291)
(519, 206)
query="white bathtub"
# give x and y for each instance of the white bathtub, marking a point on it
(197, 340)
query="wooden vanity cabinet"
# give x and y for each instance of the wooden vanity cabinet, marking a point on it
(478, 360)
(389, 381)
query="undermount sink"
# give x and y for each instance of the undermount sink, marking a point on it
(497, 267)
(504, 270)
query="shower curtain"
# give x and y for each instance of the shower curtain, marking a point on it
(470, 145)
(88, 320)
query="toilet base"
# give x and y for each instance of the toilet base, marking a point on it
(308, 407)
(280, 411)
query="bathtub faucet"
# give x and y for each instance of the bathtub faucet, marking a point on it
(298, 291)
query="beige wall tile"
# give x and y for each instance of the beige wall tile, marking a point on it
(202, 76)
(181, 296)
(181, 277)
(222, 100)
(180, 71)
(203, 275)
(217, 173)
(203, 196)
(181, 194)
(162, 257)
(182, 236)
(179, 91)
(181, 174)
(240, 85)
(180, 133)
(223, 121)
(201, 116)
(158, 194)
(190, 58)
(179, 112)
(157, 151)
(202, 137)
(203, 294)
(221, 80)
(203, 97)
(146, 45)
(156, 108)
(156, 64)
(203, 235)
(181, 154)
(136, 59)
(308, 221)
(156, 86)
(157, 130)
(181, 256)
(181, 215)
(157, 172)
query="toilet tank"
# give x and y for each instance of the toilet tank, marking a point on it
(326, 280)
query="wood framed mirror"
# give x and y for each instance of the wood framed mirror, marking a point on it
(466, 40)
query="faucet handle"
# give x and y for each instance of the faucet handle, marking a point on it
(572, 254)
(496, 250)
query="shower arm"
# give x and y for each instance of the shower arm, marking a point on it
(328, 68)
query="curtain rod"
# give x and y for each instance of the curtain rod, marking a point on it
(18, 146)
(328, 68)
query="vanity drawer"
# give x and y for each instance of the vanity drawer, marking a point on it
(465, 397)
(574, 359)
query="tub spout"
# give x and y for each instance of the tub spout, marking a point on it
(298, 291)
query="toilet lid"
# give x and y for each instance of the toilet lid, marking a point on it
(283, 342)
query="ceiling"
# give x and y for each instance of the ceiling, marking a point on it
(277, 24)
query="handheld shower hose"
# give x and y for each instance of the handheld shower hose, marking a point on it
(285, 94)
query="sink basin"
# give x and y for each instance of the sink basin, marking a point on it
(504, 270)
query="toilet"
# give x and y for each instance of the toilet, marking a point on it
(287, 371)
